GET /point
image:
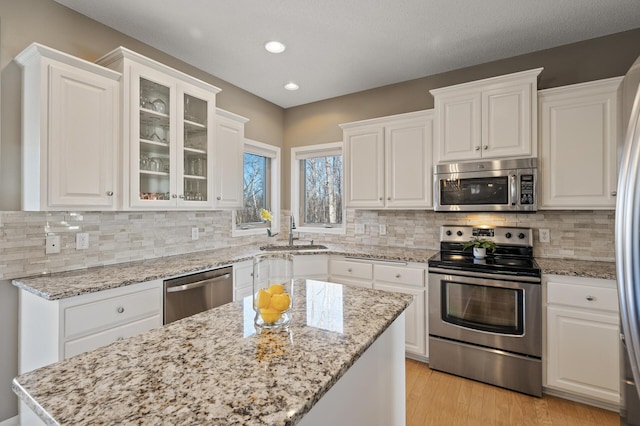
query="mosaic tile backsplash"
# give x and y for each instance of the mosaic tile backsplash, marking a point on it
(117, 237)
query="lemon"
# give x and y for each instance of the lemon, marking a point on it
(270, 315)
(263, 299)
(280, 302)
(276, 289)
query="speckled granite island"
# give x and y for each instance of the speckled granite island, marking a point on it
(342, 362)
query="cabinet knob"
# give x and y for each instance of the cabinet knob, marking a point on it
(380, 198)
(614, 193)
(591, 298)
(485, 147)
(174, 196)
(120, 309)
(397, 275)
(110, 193)
(477, 148)
(218, 198)
(389, 198)
(349, 270)
(181, 196)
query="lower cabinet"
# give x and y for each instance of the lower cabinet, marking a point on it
(397, 277)
(51, 330)
(242, 279)
(312, 266)
(582, 354)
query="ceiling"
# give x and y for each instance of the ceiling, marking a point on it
(336, 47)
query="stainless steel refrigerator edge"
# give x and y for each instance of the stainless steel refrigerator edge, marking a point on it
(627, 231)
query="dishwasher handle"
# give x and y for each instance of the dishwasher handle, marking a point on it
(197, 284)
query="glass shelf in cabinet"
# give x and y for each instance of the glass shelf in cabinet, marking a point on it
(153, 173)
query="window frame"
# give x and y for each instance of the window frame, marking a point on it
(273, 153)
(309, 151)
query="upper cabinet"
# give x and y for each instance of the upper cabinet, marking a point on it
(168, 122)
(70, 132)
(579, 133)
(229, 160)
(388, 161)
(491, 118)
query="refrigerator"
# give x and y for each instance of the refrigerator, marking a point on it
(627, 243)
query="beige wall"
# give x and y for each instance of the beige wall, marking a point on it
(575, 63)
(48, 23)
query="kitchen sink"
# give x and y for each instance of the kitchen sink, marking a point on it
(297, 247)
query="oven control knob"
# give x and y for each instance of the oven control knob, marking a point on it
(459, 233)
(448, 233)
(521, 236)
(508, 235)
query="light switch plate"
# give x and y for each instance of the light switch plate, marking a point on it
(195, 234)
(52, 244)
(382, 229)
(544, 235)
(82, 241)
(359, 228)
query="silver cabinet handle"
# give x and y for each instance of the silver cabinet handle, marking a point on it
(614, 193)
(485, 147)
(110, 193)
(389, 198)
(181, 196)
(397, 275)
(174, 196)
(591, 298)
(120, 309)
(218, 198)
(477, 148)
(380, 198)
(349, 270)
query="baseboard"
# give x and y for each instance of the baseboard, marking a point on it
(13, 421)
(411, 356)
(583, 400)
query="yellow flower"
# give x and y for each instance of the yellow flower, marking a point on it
(266, 215)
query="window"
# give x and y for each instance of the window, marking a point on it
(317, 186)
(261, 189)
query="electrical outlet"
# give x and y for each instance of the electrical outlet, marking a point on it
(382, 229)
(52, 244)
(82, 241)
(195, 234)
(544, 235)
(359, 228)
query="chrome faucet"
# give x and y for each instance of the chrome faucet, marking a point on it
(292, 226)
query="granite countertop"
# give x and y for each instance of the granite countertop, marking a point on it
(212, 368)
(74, 283)
(578, 268)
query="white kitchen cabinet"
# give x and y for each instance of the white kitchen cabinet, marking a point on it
(579, 133)
(388, 161)
(485, 119)
(168, 122)
(242, 279)
(582, 338)
(312, 266)
(229, 155)
(352, 272)
(51, 330)
(70, 131)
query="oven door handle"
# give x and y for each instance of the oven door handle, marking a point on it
(513, 189)
(476, 274)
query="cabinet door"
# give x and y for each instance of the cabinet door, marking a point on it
(82, 143)
(579, 133)
(364, 154)
(506, 121)
(408, 159)
(229, 163)
(458, 121)
(415, 317)
(583, 354)
(311, 266)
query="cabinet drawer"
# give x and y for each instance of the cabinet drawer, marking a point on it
(90, 317)
(399, 275)
(582, 296)
(103, 338)
(349, 269)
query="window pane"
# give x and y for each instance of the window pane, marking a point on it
(255, 189)
(322, 190)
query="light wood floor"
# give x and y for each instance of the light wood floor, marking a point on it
(436, 398)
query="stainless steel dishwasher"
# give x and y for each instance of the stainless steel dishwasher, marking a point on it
(191, 294)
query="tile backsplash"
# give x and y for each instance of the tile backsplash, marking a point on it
(117, 237)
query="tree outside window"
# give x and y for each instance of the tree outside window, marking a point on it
(322, 190)
(255, 190)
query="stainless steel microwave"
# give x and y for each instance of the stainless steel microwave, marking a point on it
(485, 186)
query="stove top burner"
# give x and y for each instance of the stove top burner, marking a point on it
(491, 264)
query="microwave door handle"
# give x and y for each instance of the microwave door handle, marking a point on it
(513, 189)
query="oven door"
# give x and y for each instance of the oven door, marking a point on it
(496, 313)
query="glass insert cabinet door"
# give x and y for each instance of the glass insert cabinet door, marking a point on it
(172, 161)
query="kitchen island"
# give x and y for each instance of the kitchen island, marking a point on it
(341, 362)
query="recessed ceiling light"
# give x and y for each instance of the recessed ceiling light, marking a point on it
(291, 86)
(275, 47)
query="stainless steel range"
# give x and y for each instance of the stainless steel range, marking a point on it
(485, 316)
